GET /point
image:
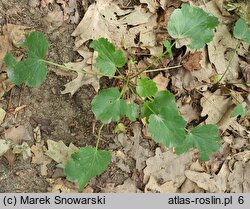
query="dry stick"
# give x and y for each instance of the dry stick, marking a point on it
(163, 69)
(230, 61)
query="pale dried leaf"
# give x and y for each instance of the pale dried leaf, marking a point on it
(188, 186)
(4, 146)
(59, 152)
(5, 84)
(17, 134)
(189, 112)
(167, 166)
(153, 186)
(203, 180)
(39, 157)
(82, 79)
(4, 48)
(138, 152)
(106, 19)
(220, 51)
(152, 5)
(161, 81)
(62, 186)
(2, 115)
(221, 178)
(129, 186)
(214, 105)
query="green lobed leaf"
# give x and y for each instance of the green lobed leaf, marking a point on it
(241, 30)
(164, 121)
(108, 57)
(239, 110)
(203, 137)
(37, 45)
(107, 106)
(86, 164)
(31, 71)
(193, 23)
(132, 112)
(146, 87)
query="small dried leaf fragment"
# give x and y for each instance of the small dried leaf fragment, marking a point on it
(192, 61)
(39, 157)
(2, 115)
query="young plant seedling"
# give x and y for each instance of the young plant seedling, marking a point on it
(159, 108)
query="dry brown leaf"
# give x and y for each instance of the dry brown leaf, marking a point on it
(59, 152)
(17, 134)
(153, 186)
(245, 69)
(239, 178)
(129, 186)
(203, 180)
(214, 105)
(2, 115)
(221, 178)
(5, 84)
(188, 112)
(138, 152)
(82, 79)
(192, 61)
(161, 81)
(188, 186)
(45, 3)
(4, 48)
(220, 51)
(62, 186)
(39, 157)
(106, 19)
(152, 5)
(167, 166)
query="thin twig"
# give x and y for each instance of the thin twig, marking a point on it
(163, 69)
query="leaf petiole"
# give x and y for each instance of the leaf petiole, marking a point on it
(99, 136)
(78, 70)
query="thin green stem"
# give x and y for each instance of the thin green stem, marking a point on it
(124, 88)
(99, 136)
(79, 70)
(230, 61)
